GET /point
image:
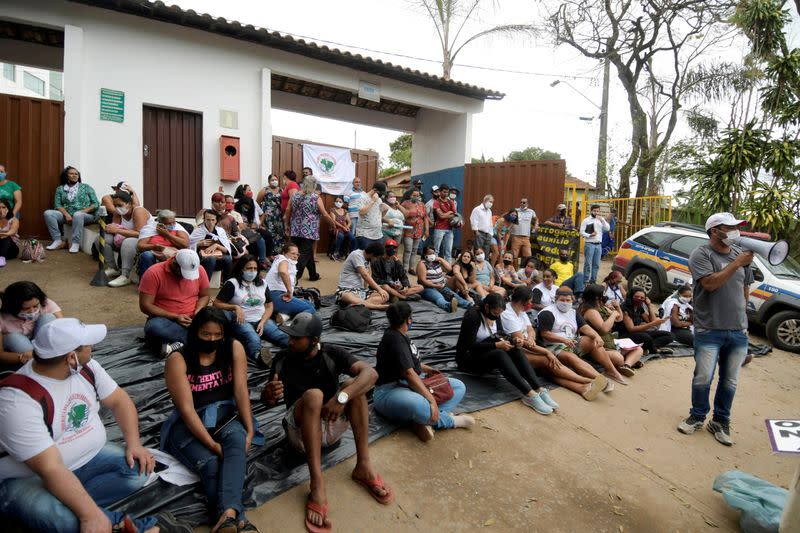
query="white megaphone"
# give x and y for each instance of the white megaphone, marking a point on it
(775, 252)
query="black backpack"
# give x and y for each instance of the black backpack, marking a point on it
(310, 294)
(352, 318)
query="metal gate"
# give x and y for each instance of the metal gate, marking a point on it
(634, 214)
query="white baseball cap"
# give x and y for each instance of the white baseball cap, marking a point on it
(189, 263)
(561, 206)
(63, 335)
(727, 219)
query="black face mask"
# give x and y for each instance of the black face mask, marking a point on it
(563, 258)
(563, 212)
(488, 313)
(207, 346)
(506, 261)
(391, 251)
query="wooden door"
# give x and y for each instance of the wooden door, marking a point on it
(32, 150)
(173, 160)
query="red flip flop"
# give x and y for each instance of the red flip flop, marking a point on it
(376, 483)
(321, 510)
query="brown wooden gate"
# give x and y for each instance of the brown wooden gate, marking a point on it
(173, 160)
(32, 149)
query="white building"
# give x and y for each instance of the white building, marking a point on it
(30, 81)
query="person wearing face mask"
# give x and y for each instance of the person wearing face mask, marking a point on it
(269, 200)
(170, 294)
(353, 201)
(506, 275)
(58, 471)
(417, 231)
(483, 346)
(341, 232)
(722, 277)
(591, 230)
(453, 197)
(24, 309)
(612, 287)
(560, 219)
(480, 221)
(484, 275)
(248, 306)
(527, 224)
(394, 216)
(123, 236)
(320, 407)
(75, 203)
(388, 272)
(528, 273)
(400, 394)
(9, 233)
(463, 279)
(500, 236)
(444, 209)
(160, 239)
(212, 427)
(281, 280)
(212, 245)
(107, 200)
(356, 285)
(678, 307)
(302, 220)
(369, 227)
(565, 272)
(11, 192)
(415, 186)
(431, 272)
(641, 323)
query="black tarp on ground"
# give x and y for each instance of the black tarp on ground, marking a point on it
(275, 467)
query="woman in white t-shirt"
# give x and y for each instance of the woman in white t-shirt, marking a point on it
(517, 324)
(281, 280)
(248, 306)
(544, 294)
(678, 307)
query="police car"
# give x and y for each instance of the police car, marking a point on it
(657, 260)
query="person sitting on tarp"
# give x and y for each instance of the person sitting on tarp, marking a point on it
(431, 275)
(57, 470)
(170, 294)
(483, 346)
(282, 280)
(24, 309)
(484, 275)
(388, 272)
(319, 409)
(506, 275)
(355, 274)
(544, 293)
(212, 427)
(565, 273)
(248, 305)
(401, 395)
(528, 273)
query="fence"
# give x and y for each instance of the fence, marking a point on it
(634, 214)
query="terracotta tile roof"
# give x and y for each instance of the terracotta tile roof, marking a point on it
(580, 184)
(247, 32)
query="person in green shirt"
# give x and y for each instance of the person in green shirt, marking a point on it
(10, 191)
(75, 203)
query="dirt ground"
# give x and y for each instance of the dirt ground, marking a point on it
(615, 465)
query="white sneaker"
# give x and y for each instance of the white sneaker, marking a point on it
(74, 248)
(119, 282)
(112, 272)
(55, 245)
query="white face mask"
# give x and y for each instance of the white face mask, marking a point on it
(122, 211)
(77, 370)
(563, 306)
(391, 201)
(480, 257)
(430, 258)
(452, 196)
(249, 275)
(273, 183)
(683, 300)
(338, 204)
(292, 262)
(731, 237)
(33, 315)
(488, 205)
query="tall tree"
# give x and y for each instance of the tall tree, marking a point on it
(651, 41)
(532, 153)
(450, 17)
(400, 148)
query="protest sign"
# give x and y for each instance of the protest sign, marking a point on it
(548, 240)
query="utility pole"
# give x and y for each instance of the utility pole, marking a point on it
(602, 143)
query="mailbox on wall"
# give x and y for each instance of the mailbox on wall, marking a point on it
(229, 158)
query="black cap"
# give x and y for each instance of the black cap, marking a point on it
(303, 325)
(417, 182)
(379, 186)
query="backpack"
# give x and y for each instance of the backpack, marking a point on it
(310, 294)
(31, 250)
(352, 318)
(40, 395)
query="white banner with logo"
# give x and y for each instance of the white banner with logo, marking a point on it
(333, 167)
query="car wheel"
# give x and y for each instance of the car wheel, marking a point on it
(645, 279)
(783, 330)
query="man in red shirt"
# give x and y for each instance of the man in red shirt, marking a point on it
(170, 293)
(444, 209)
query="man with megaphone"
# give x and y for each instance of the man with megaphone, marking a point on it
(722, 277)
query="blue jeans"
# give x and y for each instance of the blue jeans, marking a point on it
(443, 243)
(221, 478)
(293, 306)
(340, 239)
(441, 297)
(54, 220)
(591, 260)
(401, 404)
(18, 342)
(729, 348)
(159, 330)
(354, 245)
(363, 242)
(246, 334)
(224, 264)
(261, 249)
(106, 477)
(146, 260)
(576, 283)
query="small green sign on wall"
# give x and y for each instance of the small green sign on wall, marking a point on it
(112, 105)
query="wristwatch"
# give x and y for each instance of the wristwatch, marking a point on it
(342, 398)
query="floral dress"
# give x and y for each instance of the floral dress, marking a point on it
(305, 216)
(273, 219)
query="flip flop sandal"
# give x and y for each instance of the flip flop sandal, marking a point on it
(637, 365)
(321, 510)
(228, 526)
(248, 527)
(127, 526)
(377, 483)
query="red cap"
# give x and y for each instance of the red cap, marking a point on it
(391, 243)
(217, 197)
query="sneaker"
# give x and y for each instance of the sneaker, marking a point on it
(120, 281)
(74, 248)
(112, 272)
(423, 432)
(2, 261)
(464, 421)
(592, 392)
(721, 432)
(609, 386)
(56, 244)
(545, 395)
(453, 305)
(691, 424)
(665, 351)
(536, 403)
(168, 348)
(413, 298)
(626, 371)
(167, 523)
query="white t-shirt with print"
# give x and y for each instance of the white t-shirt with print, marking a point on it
(78, 432)
(514, 322)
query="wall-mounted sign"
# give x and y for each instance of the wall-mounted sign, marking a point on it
(112, 105)
(369, 91)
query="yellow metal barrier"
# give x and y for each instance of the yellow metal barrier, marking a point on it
(634, 214)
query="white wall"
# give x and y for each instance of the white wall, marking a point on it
(441, 140)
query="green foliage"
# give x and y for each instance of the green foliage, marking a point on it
(388, 171)
(401, 151)
(532, 153)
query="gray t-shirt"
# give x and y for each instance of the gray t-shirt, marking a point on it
(523, 226)
(349, 278)
(724, 308)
